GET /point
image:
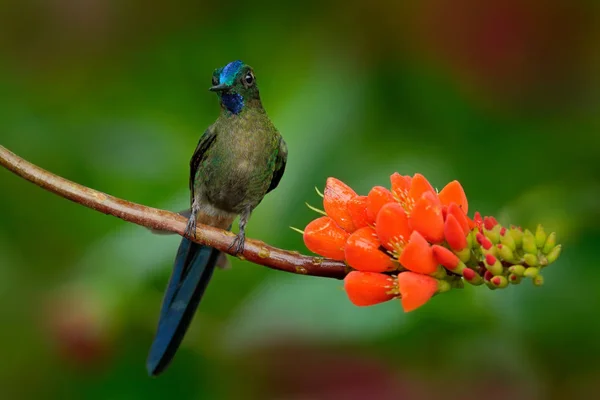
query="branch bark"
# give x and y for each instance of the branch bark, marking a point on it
(255, 251)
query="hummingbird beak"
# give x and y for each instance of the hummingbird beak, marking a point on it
(219, 88)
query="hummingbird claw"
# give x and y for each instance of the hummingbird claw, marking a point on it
(190, 229)
(238, 243)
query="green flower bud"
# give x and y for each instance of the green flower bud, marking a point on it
(529, 242)
(517, 235)
(531, 260)
(508, 241)
(443, 286)
(518, 270)
(531, 272)
(472, 277)
(540, 236)
(471, 240)
(538, 280)
(464, 255)
(554, 254)
(550, 243)
(493, 234)
(505, 253)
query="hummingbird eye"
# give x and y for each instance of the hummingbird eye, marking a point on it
(248, 79)
(215, 80)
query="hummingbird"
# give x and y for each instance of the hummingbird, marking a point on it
(238, 160)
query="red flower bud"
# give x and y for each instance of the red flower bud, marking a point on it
(469, 274)
(455, 236)
(369, 288)
(488, 223)
(461, 217)
(415, 289)
(335, 199)
(483, 241)
(488, 275)
(363, 253)
(324, 237)
(445, 257)
(478, 221)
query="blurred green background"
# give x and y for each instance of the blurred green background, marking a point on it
(501, 95)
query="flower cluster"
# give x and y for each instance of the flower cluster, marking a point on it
(411, 242)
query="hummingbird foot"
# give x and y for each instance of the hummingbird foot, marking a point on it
(190, 229)
(238, 243)
(240, 238)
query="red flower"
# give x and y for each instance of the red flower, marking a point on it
(357, 208)
(415, 289)
(369, 288)
(392, 227)
(323, 236)
(378, 197)
(419, 185)
(426, 217)
(454, 193)
(335, 201)
(400, 186)
(417, 255)
(362, 252)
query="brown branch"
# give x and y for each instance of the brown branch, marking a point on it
(255, 251)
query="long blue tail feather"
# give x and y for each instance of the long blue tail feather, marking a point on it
(194, 265)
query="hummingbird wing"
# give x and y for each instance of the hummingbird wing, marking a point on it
(206, 140)
(280, 162)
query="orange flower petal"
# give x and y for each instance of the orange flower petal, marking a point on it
(378, 197)
(324, 237)
(392, 226)
(335, 199)
(357, 208)
(455, 236)
(363, 253)
(400, 185)
(426, 217)
(463, 220)
(368, 288)
(454, 193)
(445, 257)
(415, 289)
(418, 255)
(419, 185)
